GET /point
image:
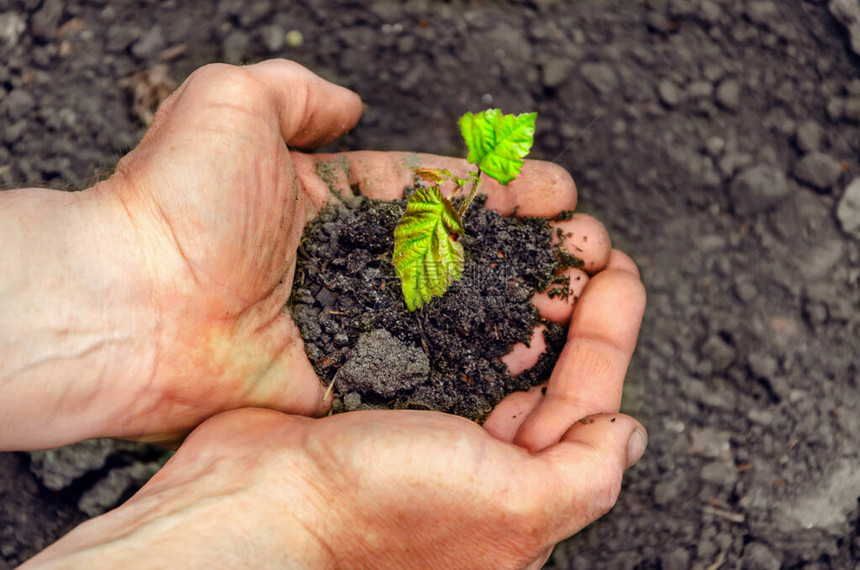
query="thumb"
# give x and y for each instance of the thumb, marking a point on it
(590, 460)
(312, 111)
(307, 110)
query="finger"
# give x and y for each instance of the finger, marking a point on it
(543, 189)
(557, 302)
(509, 414)
(588, 465)
(524, 356)
(312, 111)
(307, 110)
(621, 261)
(541, 559)
(589, 375)
(585, 238)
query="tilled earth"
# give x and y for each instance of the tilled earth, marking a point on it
(717, 139)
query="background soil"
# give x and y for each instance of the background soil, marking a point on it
(718, 140)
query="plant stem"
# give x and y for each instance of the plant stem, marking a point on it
(456, 189)
(471, 196)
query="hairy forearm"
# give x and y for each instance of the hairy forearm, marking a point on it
(67, 328)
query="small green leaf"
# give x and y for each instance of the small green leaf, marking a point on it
(497, 143)
(427, 254)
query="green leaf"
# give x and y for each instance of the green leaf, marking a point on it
(427, 254)
(497, 143)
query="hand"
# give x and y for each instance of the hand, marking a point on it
(220, 205)
(400, 489)
(194, 241)
(155, 299)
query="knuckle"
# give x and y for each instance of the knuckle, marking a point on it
(228, 83)
(607, 495)
(211, 72)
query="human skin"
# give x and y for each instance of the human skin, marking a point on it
(145, 305)
(400, 489)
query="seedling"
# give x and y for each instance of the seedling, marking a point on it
(428, 255)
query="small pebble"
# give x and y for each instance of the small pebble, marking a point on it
(294, 38)
(818, 170)
(729, 94)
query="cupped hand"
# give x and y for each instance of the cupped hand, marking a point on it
(210, 209)
(382, 489)
(212, 205)
(216, 209)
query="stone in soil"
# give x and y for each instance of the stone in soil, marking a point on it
(729, 94)
(818, 170)
(60, 468)
(759, 557)
(848, 209)
(600, 76)
(109, 491)
(383, 364)
(847, 12)
(809, 136)
(45, 21)
(757, 189)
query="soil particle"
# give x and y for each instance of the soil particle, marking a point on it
(646, 170)
(17, 103)
(45, 21)
(116, 485)
(758, 188)
(809, 136)
(848, 210)
(757, 556)
(58, 468)
(600, 76)
(848, 14)
(669, 93)
(818, 170)
(729, 94)
(446, 356)
(150, 44)
(12, 25)
(62, 468)
(235, 47)
(678, 559)
(555, 72)
(382, 364)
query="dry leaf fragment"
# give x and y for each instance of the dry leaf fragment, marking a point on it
(148, 89)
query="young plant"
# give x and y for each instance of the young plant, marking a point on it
(428, 255)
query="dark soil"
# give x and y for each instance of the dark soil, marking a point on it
(718, 140)
(444, 356)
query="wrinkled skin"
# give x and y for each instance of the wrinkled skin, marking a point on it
(180, 265)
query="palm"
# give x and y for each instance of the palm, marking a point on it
(370, 500)
(218, 204)
(379, 489)
(221, 214)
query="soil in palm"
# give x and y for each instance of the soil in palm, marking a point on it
(445, 356)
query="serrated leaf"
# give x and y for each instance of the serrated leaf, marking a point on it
(498, 143)
(427, 254)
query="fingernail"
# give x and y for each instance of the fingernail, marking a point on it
(636, 446)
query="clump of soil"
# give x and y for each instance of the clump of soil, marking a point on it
(445, 356)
